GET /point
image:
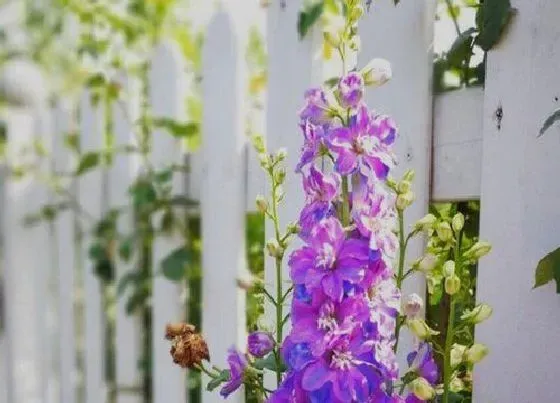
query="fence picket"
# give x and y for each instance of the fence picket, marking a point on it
(407, 98)
(223, 193)
(167, 96)
(25, 255)
(121, 175)
(90, 195)
(65, 262)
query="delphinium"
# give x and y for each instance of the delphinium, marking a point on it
(346, 277)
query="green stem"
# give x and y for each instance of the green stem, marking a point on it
(400, 272)
(450, 334)
(345, 202)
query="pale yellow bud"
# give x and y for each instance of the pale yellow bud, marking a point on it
(405, 200)
(426, 223)
(478, 314)
(458, 222)
(478, 250)
(444, 231)
(457, 354)
(422, 389)
(427, 263)
(452, 285)
(421, 329)
(262, 204)
(377, 72)
(477, 353)
(449, 268)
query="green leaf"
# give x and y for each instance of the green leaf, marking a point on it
(88, 161)
(125, 248)
(494, 17)
(331, 82)
(143, 193)
(548, 269)
(214, 383)
(549, 122)
(175, 128)
(268, 362)
(72, 141)
(308, 17)
(461, 50)
(174, 265)
(96, 81)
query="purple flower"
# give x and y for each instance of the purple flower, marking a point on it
(343, 366)
(422, 362)
(374, 215)
(351, 89)
(260, 344)
(385, 301)
(313, 137)
(362, 147)
(322, 320)
(321, 189)
(237, 364)
(329, 260)
(316, 107)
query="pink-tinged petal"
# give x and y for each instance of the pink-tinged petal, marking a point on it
(328, 232)
(300, 262)
(377, 166)
(315, 376)
(351, 274)
(346, 163)
(342, 387)
(332, 286)
(313, 278)
(340, 139)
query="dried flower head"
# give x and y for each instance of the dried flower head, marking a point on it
(188, 348)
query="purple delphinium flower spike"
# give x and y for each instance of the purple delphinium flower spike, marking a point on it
(351, 89)
(260, 344)
(237, 364)
(329, 259)
(313, 139)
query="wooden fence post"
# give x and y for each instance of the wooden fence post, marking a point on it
(519, 210)
(223, 193)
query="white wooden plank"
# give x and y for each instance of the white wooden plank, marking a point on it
(457, 152)
(223, 193)
(407, 98)
(90, 189)
(24, 257)
(519, 210)
(65, 263)
(122, 173)
(167, 95)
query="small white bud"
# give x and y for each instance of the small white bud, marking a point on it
(262, 204)
(458, 222)
(282, 154)
(421, 329)
(412, 305)
(427, 263)
(405, 200)
(422, 389)
(478, 250)
(377, 72)
(449, 268)
(478, 314)
(444, 231)
(426, 223)
(477, 353)
(457, 354)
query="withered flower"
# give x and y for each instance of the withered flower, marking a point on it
(188, 348)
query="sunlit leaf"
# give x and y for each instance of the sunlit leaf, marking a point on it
(548, 269)
(494, 17)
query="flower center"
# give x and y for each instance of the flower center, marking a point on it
(327, 319)
(326, 256)
(341, 360)
(364, 144)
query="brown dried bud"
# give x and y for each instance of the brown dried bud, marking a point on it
(178, 329)
(187, 348)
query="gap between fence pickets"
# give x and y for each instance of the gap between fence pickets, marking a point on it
(457, 145)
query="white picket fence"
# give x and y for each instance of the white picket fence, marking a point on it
(458, 147)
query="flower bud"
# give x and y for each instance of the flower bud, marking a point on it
(412, 305)
(478, 250)
(452, 285)
(405, 200)
(444, 231)
(264, 160)
(426, 223)
(355, 43)
(273, 248)
(258, 143)
(377, 72)
(403, 186)
(351, 89)
(457, 354)
(477, 353)
(262, 204)
(458, 222)
(409, 175)
(478, 314)
(421, 329)
(357, 12)
(292, 228)
(449, 268)
(260, 344)
(422, 389)
(281, 154)
(280, 175)
(456, 385)
(427, 263)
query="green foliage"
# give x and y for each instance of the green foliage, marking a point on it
(548, 269)
(222, 377)
(492, 20)
(308, 17)
(269, 362)
(174, 265)
(87, 162)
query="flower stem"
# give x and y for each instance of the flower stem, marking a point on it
(447, 370)
(400, 271)
(345, 202)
